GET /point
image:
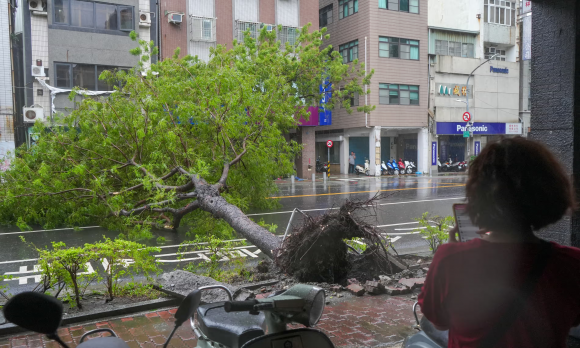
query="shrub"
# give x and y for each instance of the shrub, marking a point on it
(435, 229)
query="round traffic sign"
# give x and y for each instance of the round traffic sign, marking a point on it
(466, 116)
(329, 143)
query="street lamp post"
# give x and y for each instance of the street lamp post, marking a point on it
(470, 122)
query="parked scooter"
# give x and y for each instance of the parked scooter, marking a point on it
(220, 324)
(395, 167)
(360, 170)
(321, 167)
(428, 336)
(401, 165)
(442, 167)
(385, 170)
(410, 167)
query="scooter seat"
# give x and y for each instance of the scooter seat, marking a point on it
(438, 336)
(232, 329)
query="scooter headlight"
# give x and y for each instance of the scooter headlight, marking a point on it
(314, 302)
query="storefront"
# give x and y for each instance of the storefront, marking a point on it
(451, 143)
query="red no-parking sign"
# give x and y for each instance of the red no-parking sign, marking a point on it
(329, 143)
(466, 116)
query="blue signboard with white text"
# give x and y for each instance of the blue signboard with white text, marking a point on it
(477, 148)
(478, 128)
(434, 153)
(325, 115)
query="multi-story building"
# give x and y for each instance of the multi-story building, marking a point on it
(462, 36)
(69, 43)
(207, 23)
(390, 37)
(6, 86)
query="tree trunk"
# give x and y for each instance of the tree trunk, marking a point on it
(210, 200)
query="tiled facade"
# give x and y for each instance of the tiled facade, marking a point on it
(390, 131)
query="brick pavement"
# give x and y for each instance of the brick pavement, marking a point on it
(369, 321)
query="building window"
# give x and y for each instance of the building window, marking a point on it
(490, 51)
(391, 94)
(325, 16)
(392, 47)
(349, 51)
(86, 76)
(86, 14)
(411, 6)
(347, 8)
(451, 48)
(206, 25)
(499, 12)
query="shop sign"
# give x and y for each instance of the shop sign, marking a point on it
(454, 90)
(478, 128)
(477, 147)
(499, 70)
(513, 128)
(527, 7)
(325, 115)
(434, 153)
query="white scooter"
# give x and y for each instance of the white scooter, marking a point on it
(410, 167)
(384, 169)
(360, 170)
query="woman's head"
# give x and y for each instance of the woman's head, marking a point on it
(515, 184)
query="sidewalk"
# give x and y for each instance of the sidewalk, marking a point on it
(369, 321)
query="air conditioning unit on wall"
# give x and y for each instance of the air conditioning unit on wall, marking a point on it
(33, 114)
(145, 19)
(175, 18)
(37, 71)
(35, 6)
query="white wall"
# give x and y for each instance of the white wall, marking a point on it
(5, 61)
(201, 8)
(39, 40)
(246, 10)
(454, 14)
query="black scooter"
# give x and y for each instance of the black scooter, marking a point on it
(231, 324)
(321, 167)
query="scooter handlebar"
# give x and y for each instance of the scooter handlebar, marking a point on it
(240, 306)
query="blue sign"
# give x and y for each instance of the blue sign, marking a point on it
(478, 128)
(476, 148)
(324, 115)
(434, 153)
(499, 70)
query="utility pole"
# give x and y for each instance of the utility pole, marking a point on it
(469, 123)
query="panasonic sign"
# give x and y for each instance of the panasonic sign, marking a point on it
(499, 70)
(482, 129)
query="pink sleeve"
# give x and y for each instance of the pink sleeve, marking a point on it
(434, 292)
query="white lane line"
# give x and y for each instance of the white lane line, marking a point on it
(399, 234)
(425, 200)
(57, 229)
(410, 229)
(399, 224)
(16, 261)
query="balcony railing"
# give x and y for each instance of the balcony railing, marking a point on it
(287, 34)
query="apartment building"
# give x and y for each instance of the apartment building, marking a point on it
(462, 36)
(391, 37)
(69, 43)
(6, 86)
(207, 23)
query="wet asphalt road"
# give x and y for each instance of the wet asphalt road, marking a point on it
(405, 199)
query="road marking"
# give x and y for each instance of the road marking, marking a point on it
(410, 229)
(16, 261)
(392, 203)
(57, 229)
(401, 233)
(399, 224)
(387, 190)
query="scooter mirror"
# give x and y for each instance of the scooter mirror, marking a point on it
(187, 307)
(34, 311)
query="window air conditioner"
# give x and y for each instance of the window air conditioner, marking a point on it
(35, 6)
(175, 18)
(145, 19)
(38, 71)
(33, 114)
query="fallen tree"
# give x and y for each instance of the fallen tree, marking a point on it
(185, 143)
(319, 251)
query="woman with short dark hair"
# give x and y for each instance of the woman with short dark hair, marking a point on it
(509, 288)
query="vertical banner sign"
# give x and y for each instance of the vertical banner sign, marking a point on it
(527, 37)
(434, 153)
(325, 115)
(476, 148)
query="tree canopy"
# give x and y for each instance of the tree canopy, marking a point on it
(185, 141)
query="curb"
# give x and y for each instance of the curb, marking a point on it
(10, 329)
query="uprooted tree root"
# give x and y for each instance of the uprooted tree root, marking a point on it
(317, 252)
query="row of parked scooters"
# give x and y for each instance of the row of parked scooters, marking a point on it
(390, 168)
(451, 166)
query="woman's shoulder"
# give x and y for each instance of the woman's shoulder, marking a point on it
(567, 252)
